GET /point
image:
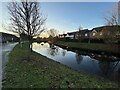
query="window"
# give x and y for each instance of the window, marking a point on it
(101, 33)
(93, 34)
(86, 34)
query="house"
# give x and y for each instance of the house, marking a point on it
(78, 34)
(118, 36)
(112, 31)
(72, 35)
(83, 33)
(0, 37)
(100, 32)
(95, 32)
(61, 36)
(4, 37)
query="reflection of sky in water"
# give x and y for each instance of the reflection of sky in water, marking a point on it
(74, 60)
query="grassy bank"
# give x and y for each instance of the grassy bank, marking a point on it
(112, 48)
(41, 72)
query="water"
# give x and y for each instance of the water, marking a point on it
(109, 70)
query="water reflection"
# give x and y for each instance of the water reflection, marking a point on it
(79, 58)
(64, 52)
(92, 63)
(106, 67)
(53, 50)
(109, 69)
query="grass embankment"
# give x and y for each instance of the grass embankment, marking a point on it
(112, 48)
(41, 72)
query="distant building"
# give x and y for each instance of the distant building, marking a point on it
(73, 35)
(79, 34)
(96, 33)
(61, 36)
(0, 37)
(99, 32)
(83, 33)
(4, 37)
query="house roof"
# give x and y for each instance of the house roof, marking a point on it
(7, 34)
(99, 29)
(80, 31)
(84, 31)
(72, 33)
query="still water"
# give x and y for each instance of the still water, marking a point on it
(109, 70)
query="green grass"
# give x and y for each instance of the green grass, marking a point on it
(41, 72)
(93, 46)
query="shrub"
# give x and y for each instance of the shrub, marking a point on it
(86, 40)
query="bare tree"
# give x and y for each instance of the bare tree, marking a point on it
(52, 32)
(26, 18)
(52, 35)
(112, 17)
(79, 33)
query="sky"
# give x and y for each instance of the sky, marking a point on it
(69, 16)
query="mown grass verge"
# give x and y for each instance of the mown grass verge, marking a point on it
(110, 48)
(41, 72)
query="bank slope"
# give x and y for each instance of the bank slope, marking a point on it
(38, 71)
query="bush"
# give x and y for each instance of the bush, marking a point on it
(119, 42)
(67, 40)
(86, 40)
